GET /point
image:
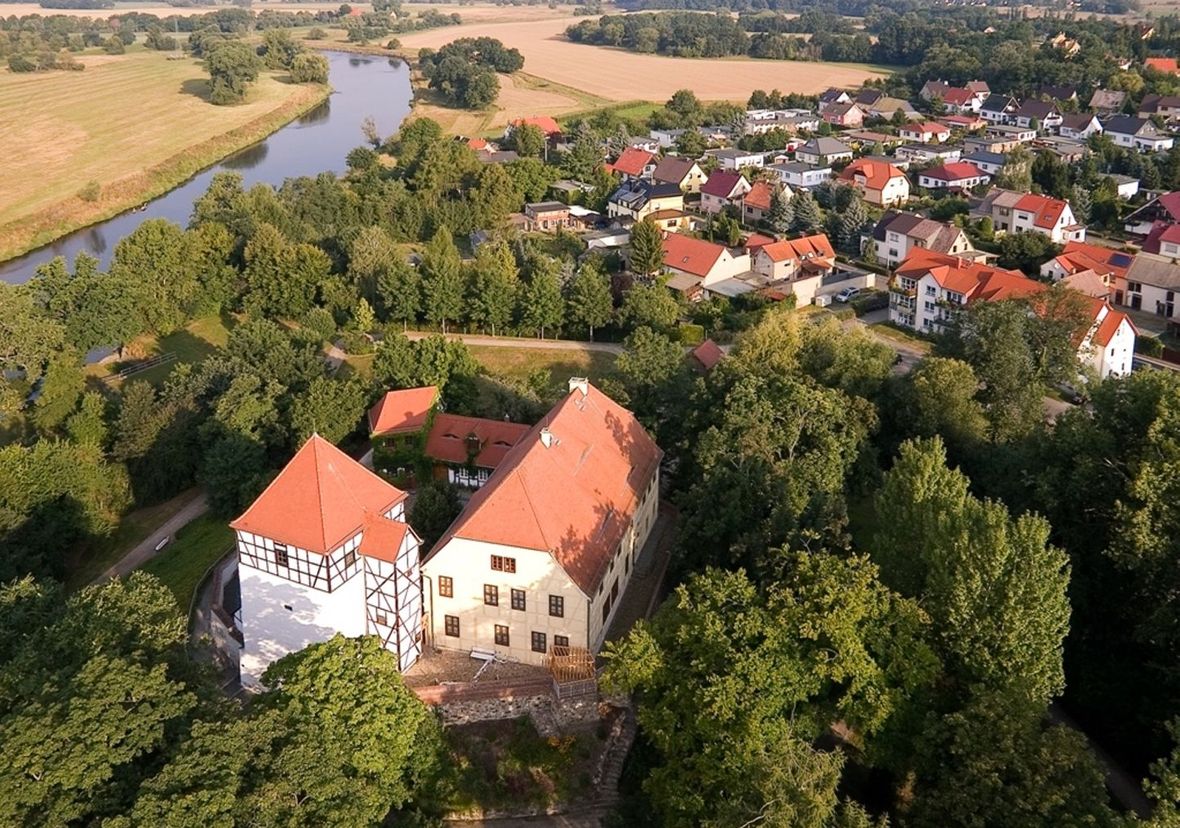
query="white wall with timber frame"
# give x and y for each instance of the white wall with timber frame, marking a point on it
(393, 602)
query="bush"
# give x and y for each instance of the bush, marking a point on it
(843, 313)
(356, 343)
(317, 34)
(1149, 346)
(319, 324)
(691, 334)
(866, 303)
(20, 63)
(91, 192)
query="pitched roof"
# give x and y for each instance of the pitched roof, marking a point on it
(708, 354)
(955, 171)
(1107, 99)
(1037, 109)
(1046, 211)
(695, 256)
(321, 498)
(402, 411)
(806, 248)
(1155, 270)
(970, 278)
(824, 145)
(1077, 256)
(877, 174)
(759, 196)
(632, 161)
(957, 96)
(1162, 64)
(1129, 125)
(542, 122)
(925, 128)
(721, 183)
(1077, 120)
(997, 103)
(1161, 232)
(1109, 325)
(457, 439)
(382, 538)
(1089, 283)
(575, 497)
(672, 169)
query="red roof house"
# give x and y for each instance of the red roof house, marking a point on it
(402, 412)
(1162, 64)
(634, 162)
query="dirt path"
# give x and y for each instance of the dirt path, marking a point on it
(523, 342)
(146, 549)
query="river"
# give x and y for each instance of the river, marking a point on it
(362, 86)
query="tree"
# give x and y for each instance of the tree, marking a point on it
(278, 50)
(937, 399)
(541, 303)
(281, 279)
(442, 279)
(399, 291)
(153, 258)
(396, 363)
(233, 472)
(589, 304)
(647, 248)
(435, 508)
(651, 306)
(363, 318)
(232, 65)
(331, 408)
(61, 387)
(852, 221)
(686, 107)
(782, 211)
(528, 140)
(494, 287)
(371, 257)
(87, 425)
(308, 67)
(808, 215)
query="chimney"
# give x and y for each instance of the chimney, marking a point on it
(547, 438)
(580, 384)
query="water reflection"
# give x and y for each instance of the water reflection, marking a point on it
(317, 142)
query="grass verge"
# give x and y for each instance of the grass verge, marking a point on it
(184, 562)
(521, 363)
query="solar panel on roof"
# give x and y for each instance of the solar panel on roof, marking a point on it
(1121, 260)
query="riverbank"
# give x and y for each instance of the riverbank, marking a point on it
(137, 126)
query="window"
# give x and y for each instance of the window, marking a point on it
(614, 590)
(518, 599)
(605, 610)
(491, 595)
(502, 564)
(561, 641)
(281, 555)
(557, 606)
(349, 558)
(931, 290)
(539, 644)
(501, 635)
(382, 619)
(451, 625)
(446, 586)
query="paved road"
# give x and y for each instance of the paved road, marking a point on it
(146, 550)
(523, 342)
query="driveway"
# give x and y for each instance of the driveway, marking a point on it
(146, 549)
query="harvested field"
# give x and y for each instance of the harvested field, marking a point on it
(162, 10)
(616, 75)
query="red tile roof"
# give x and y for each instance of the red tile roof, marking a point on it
(972, 279)
(756, 240)
(1046, 211)
(1161, 232)
(759, 196)
(491, 440)
(695, 256)
(382, 538)
(807, 248)
(574, 498)
(957, 96)
(1077, 256)
(877, 174)
(1109, 325)
(955, 171)
(632, 161)
(543, 122)
(721, 183)
(477, 143)
(319, 500)
(708, 354)
(403, 411)
(1162, 64)
(925, 128)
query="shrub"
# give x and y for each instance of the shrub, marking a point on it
(319, 324)
(691, 334)
(317, 34)
(866, 303)
(20, 63)
(356, 343)
(91, 192)
(1149, 346)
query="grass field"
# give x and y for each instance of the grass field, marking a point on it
(183, 562)
(191, 344)
(520, 363)
(138, 124)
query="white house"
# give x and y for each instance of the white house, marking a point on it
(960, 175)
(925, 153)
(1031, 213)
(736, 159)
(1079, 126)
(897, 234)
(796, 266)
(1108, 346)
(881, 183)
(925, 132)
(541, 556)
(803, 176)
(325, 549)
(990, 162)
(723, 188)
(823, 150)
(1136, 133)
(1153, 283)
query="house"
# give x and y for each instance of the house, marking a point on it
(1165, 106)
(844, 115)
(465, 451)
(962, 99)
(1011, 134)
(1079, 125)
(1107, 101)
(400, 416)
(1137, 133)
(796, 266)
(801, 175)
(634, 163)
(1078, 257)
(1164, 208)
(706, 355)
(1061, 93)
(636, 199)
(490, 156)
(833, 97)
(929, 289)
(1012, 212)
(1163, 239)
(967, 123)
(958, 175)
(325, 550)
(866, 138)
(1125, 186)
(547, 217)
(736, 159)
(990, 162)
(683, 172)
(761, 121)
(696, 263)
(1107, 347)
(1166, 65)
(886, 108)
(881, 184)
(546, 124)
(666, 138)
(927, 153)
(925, 132)
(1066, 45)
(646, 144)
(756, 202)
(1036, 115)
(823, 150)
(722, 189)
(896, 234)
(1153, 283)
(539, 559)
(1068, 150)
(996, 109)
(868, 96)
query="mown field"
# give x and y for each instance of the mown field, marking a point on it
(137, 124)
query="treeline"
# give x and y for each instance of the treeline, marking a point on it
(464, 71)
(672, 33)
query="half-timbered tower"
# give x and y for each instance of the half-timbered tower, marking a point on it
(325, 549)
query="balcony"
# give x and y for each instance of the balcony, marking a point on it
(896, 288)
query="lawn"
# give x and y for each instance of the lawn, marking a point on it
(185, 561)
(193, 343)
(90, 560)
(137, 124)
(521, 363)
(889, 331)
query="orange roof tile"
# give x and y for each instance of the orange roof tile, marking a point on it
(632, 161)
(804, 248)
(1046, 211)
(320, 499)
(1162, 64)
(543, 122)
(403, 411)
(1109, 325)
(1076, 256)
(877, 174)
(575, 498)
(759, 196)
(449, 433)
(970, 278)
(382, 538)
(695, 256)
(708, 354)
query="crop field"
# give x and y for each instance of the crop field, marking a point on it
(135, 123)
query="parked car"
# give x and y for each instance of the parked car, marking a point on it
(848, 294)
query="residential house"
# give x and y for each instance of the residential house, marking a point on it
(466, 451)
(683, 172)
(636, 199)
(925, 132)
(1127, 187)
(1153, 283)
(760, 121)
(666, 138)
(1163, 239)
(989, 162)
(1063, 93)
(705, 356)
(1107, 101)
(538, 561)
(886, 108)
(996, 109)
(1068, 46)
(1165, 106)
(844, 115)
(833, 97)
(736, 159)
(823, 150)
(801, 175)
(491, 156)
(547, 217)
(1078, 257)
(696, 264)
(1137, 133)
(325, 550)
(722, 189)
(1079, 125)
(1011, 134)
(646, 144)
(1013, 212)
(868, 96)
(634, 163)
(546, 124)
(927, 153)
(881, 184)
(960, 99)
(1167, 65)
(796, 266)
(675, 221)
(1068, 150)
(1107, 347)
(967, 123)
(756, 203)
(1041, 116)
(862, 138)
(1164, 208)
(959, 175)
(896, 234)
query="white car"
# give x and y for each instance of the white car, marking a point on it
(848, 294)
